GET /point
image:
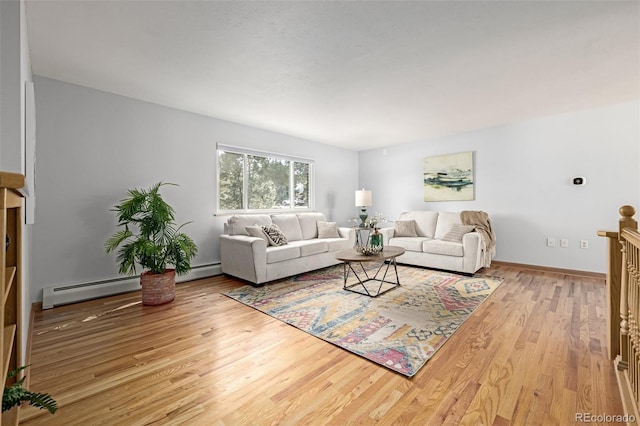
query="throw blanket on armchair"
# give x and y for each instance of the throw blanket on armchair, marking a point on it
(481, 221)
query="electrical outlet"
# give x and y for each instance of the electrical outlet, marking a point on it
(551, 242)
(564, 243)
(584, 244)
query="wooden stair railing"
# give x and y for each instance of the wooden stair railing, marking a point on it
(614, 278)
(623, 285)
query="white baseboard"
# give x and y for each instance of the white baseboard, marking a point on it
(65, 294)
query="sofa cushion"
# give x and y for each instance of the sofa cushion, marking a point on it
(457, 232)
(425, 222)
(335, 244)
(328, 230)
(405, 228)
(238, 223)
(311, 247)
(289, 225)
(445, 222)
(274, 235)
(443, 247)
(256, 231)
(281, 253)
(308, 224)
(409, 243)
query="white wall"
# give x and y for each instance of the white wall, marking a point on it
(15, 70)
(93, 146)
(25, 75)
(10, 103)
(522, 179)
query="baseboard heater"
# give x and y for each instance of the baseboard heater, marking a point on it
(65, 294)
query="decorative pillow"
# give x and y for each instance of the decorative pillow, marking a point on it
(405, 228)
(308, 224)
(289, 225)
(274, 235)
(327, 230)
(445, 221)
(237, 223)
(425, 221)
(256, 231)
(457, 232)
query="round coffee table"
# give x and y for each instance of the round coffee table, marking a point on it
(386, 257)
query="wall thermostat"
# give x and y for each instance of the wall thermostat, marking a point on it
(579, 181)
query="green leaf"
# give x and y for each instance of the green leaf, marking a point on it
(149, 236)
(15, 395)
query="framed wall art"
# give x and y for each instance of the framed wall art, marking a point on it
(449, 177)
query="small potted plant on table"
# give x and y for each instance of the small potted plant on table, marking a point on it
(151, 239)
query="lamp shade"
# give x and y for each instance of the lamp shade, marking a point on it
(363, 198)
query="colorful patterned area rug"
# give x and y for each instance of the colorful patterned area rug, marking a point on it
(400, 330)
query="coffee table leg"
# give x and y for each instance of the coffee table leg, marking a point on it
(348, 268)
(346, 274)
(383, 280)
(364, 271)
(395, 266)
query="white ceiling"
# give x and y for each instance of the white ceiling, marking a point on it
(356, 74)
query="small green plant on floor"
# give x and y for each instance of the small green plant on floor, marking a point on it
(15, 395)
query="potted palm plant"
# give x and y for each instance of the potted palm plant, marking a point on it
(150, 238)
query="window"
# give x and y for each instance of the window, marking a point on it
(251, 181)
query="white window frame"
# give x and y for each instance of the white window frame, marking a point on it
(245, 180)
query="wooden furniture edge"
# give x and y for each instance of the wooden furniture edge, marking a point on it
(11, 199)
(9, 275)
(576, 272)
(35, 307)
(11, 180)
(8, 335)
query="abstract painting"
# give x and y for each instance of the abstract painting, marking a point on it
(449, 177)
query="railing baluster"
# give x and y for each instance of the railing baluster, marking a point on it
(633, 320)
(628, 360)
(633, 273)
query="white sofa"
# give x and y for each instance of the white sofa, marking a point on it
(434, 247)
(253, 258)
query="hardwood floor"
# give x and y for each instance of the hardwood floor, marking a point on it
(532, 354)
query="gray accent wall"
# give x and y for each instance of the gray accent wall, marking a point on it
(523, 174)
(93, 146)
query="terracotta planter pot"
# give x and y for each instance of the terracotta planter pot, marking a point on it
(158, 288)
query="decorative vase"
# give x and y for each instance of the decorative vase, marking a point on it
(158, 289)
(376, 239)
